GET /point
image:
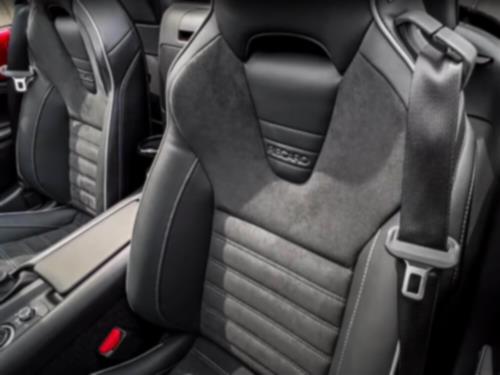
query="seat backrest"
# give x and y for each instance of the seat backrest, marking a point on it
(263, 221)
(178, 24)
(84, 114)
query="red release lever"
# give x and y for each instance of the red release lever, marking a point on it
(111, 342)
(4, 47)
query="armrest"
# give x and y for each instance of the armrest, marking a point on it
(73, 261)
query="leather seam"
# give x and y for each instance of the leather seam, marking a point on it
(220, 341)
(279, 267)
(481, 361)
(81, 156)
(356, 304)
(382, 75)
(178, 198)
(35, 133)
(88, 142)
(291, 128)
(209, 362)
(215, 313)
(276, 295)
(82, 188)
(224, 294)
(119, 42)
(317, 253)
(123, 87)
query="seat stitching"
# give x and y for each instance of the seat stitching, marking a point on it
(275, 294)
(82, 188)
(178, 198)
(356, 305)
(82, 139)
(271, 321)
(121, 100)
(481, 361)
(78, 171)
(35, 133)
(291, 128)
(122, 39)
(81, 156)
(224, 212)
(384, 77)
(278, 266)
(209, 362)
(219, 316)
(233, 349)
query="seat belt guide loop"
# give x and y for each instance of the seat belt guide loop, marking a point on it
(21, 78)
(419, 261)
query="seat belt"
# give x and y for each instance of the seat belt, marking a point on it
(421, 243)
(18, 66)
(17, 61)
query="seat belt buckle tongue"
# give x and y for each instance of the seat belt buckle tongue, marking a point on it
(419, 261)
(21, 78)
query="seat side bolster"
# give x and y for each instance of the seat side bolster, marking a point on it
(370, 319)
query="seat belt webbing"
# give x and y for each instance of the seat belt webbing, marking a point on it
(421, 242)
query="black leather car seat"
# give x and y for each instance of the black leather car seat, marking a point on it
(80, 122)
(259, 244)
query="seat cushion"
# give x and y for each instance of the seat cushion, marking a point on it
(206, 358)
(24, 234)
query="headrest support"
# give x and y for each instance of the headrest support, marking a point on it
(445, 11)
(337, 25)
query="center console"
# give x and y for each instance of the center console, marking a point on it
(48, 300)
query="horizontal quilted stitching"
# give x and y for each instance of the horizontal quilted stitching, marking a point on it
(277, 302)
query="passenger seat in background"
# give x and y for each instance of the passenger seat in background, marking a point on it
(179, 23)
(80, 122)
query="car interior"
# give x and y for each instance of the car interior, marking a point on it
(249, 187)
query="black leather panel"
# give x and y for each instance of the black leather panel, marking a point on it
(368, 338)
(183, 222)
(70, 35)
(293, 94)
(43, 141)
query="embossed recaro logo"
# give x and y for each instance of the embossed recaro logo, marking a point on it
(288, 156)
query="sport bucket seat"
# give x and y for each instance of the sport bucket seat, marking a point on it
(260, 240)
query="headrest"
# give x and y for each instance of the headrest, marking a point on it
(337, 25)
